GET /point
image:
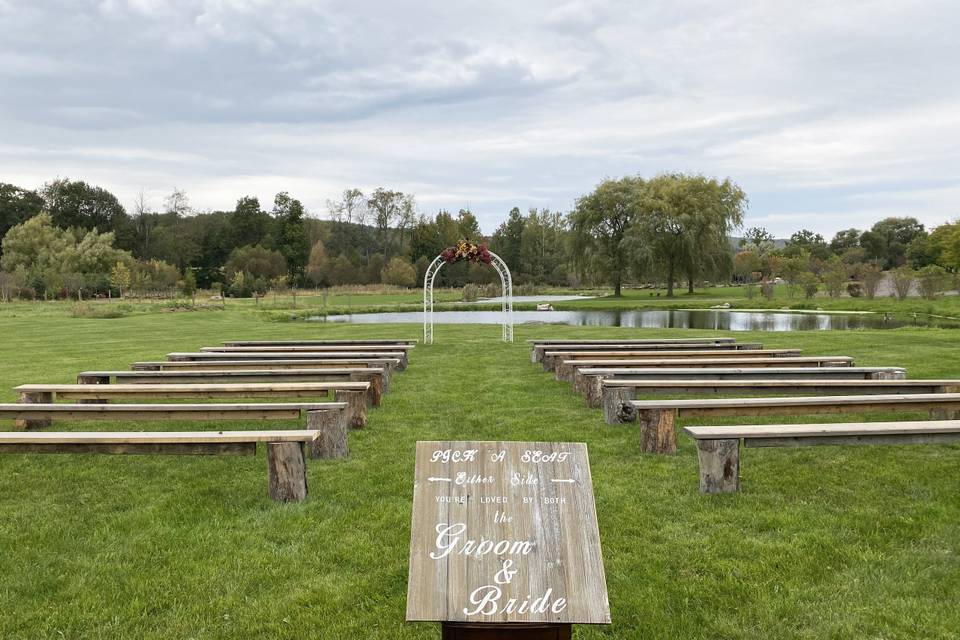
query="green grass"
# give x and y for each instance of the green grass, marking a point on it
(823, 542)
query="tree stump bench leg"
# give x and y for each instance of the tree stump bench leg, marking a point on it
(28, 397)
(564, 372)
(376, 388)
(535, 355)
(332, 426)
(93, 380)
(657, 431)
(593, 390)
(549, 363)
(616, 405)
(944, 414)
(286, 471)
(356, 406)
(719, 465)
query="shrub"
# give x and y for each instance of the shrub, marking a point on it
(834, 277)
(903, 278)
(808, 282)
(871, 275)
(399, 272)
(854, 290)
(932, 280)
(471, 292)
(766, 290)
(751, 291)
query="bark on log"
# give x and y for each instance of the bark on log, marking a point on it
(594, 390)
(564, 371)
(356, 406)
(616, 404)
(286, 471)
(332, 426)
(376, 390)
(28, 397)
(549, 362)
(719, 465)
(657, 432)
(938, 413)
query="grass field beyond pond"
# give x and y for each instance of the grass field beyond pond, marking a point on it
(823, 542)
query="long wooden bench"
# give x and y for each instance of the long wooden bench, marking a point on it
(267, 343)
(388, 364)
(329, 418)
(576, 369)
(658, 418)
(567, 370)
(376, 377)
(718, 448)
(589, 381)
(354, 395)
(619, 394)
(286, 464)
(212, 356)
(538, 348)
(551, 359)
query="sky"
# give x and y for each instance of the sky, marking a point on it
(828, 114)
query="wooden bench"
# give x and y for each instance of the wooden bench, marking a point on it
(567, 370)
(212, 356)
(658, 418)
(388, 364)
(718, 448)
(589, 381)
(574, 368)
(354, 395)
(538, 348)
(551, 359)
(268, 343)
(617, 394)
(376, 377)
(286, 466)
(329, 418)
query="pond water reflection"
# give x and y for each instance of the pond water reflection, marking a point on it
(662, 319)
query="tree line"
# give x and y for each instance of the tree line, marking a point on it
(70, 238)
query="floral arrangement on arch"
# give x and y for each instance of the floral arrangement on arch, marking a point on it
(466, 250)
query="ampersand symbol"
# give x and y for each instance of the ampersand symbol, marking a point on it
(505, 575)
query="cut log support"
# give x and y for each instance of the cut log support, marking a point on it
(356, 406)
(34, 398)
(549, 363)
(286, 471)
(332, 426)
(657, 433)
(564, 371)
(719, 465)
(593, 386)
(376, 385)
(616, 404)
(890, 375)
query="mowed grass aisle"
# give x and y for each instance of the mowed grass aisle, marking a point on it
(823, 542)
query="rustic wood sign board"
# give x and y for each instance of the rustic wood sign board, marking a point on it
(505, 532)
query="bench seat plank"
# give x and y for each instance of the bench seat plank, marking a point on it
(156, 437)
(257, 411)
(862, 429)
(366, 348)
(861, 403)
(266, 343)
(191, 389)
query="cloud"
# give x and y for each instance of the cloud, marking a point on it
(824, 111)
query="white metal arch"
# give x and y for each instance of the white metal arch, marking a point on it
(506, 283)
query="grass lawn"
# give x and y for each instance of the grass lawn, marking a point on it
(823, 542)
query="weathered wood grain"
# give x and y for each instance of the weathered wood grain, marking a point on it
(719, 465)
(332, 429)
(552, 541)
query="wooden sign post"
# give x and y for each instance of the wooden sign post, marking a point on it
(504, 540)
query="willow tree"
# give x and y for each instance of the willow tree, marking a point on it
(683, 224)
(598, 226)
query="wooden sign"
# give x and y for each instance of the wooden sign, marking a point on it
(505, 532)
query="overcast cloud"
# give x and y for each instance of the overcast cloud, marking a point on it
(829, 114)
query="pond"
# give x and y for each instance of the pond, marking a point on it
(663, 319)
